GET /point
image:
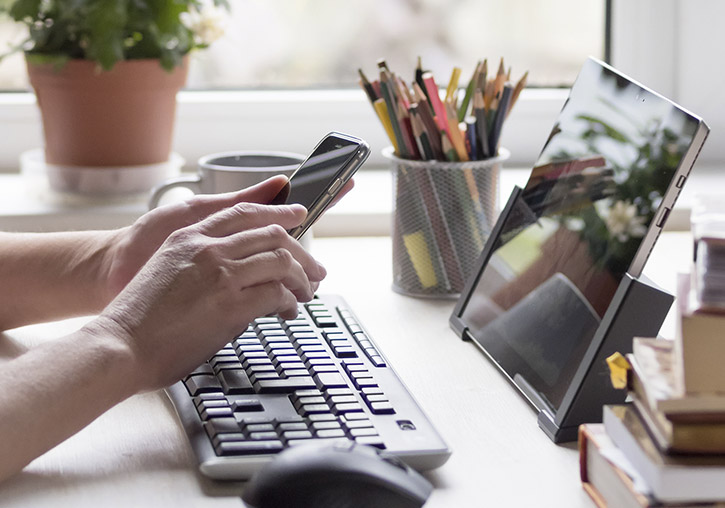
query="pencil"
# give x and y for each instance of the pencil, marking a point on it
(448, 149)
(463, 109)
(517, 90)
(421, 136)
(407, 131)
(453, 83)
(435, 101)
(392, 113)
(454, 132)
(422, 110)
(481, 129)
(367, 86)
(382, 110)
(501, 113)
(419, 77)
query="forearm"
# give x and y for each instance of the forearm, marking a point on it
(54, 390)
(46, 276)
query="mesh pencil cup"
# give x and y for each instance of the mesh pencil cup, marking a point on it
(444, 212)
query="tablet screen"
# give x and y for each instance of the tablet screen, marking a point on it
(578, 226)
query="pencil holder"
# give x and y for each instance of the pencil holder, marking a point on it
(444, 212)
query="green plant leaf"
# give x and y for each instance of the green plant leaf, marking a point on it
(105, 22)
(22, 9)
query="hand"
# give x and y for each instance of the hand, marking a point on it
(132, 247)
(204, 285)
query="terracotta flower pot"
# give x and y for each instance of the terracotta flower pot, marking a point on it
(120, 117)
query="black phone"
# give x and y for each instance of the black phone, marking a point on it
(317, 181)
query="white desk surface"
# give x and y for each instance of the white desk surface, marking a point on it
(137, 455)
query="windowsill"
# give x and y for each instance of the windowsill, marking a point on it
(365, 211)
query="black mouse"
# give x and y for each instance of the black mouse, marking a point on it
(336, 475)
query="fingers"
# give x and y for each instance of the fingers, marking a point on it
(201, 206)
(276, 265)
(345, 189)
(246, 216)
(249, 243)
(269, 298)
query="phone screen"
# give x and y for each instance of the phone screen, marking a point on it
(311, 180)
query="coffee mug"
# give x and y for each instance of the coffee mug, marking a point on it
(230, 171)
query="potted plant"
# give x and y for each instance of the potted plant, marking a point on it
(106, 73)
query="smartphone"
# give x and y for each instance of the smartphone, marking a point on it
(317, 181)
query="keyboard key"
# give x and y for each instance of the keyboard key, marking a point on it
(284, 385)
(296, 372)
(235, 381)
(199, 399)
(307, 393)
(347, 407)
(355, 416)
(221, 426)
(338, 391)
(382, 408)
(368, 431)
(310, 400)
(232, 436)
(204, 404)
(204, 368)
(341, 399)
(256, 376)
(285, 427)
(261, 368)
(202, 383)
(323, 417)
(330, 380)
(377, 361)
(310, 409)
(358, 424)
(327, 433)
(297, 434)
(326, 425)
(364, 383)
(311, 341)
(325, 321)
(378, 397)
(375, 441)
(249, 447)
(263, 435)
(316, 369)
(345, 352)
(247, 405)
(259, 427)
(372, 390)
(208, 413)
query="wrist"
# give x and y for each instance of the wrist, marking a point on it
(108, 343)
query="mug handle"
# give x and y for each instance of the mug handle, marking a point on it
(193, 183)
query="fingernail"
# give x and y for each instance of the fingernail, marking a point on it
(321, 269)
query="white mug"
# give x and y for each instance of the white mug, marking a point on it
(230, 171)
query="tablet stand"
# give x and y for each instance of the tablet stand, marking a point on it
(637, 309)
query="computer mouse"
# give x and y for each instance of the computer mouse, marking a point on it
(336, 475)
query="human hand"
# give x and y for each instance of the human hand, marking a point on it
(131, 247)
(203, 286)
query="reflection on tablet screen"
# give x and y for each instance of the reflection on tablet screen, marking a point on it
(585, 218)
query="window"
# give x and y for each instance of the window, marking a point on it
(299, 79)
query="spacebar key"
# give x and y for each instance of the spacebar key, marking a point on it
(284, 385)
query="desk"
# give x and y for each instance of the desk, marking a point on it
(137, 455)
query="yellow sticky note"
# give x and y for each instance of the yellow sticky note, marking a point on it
(419, 254)
(618, 368)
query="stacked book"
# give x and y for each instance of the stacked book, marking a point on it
(666, 447)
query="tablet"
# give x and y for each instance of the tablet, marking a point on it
(595, 202)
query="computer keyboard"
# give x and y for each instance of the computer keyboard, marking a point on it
(282, 383)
